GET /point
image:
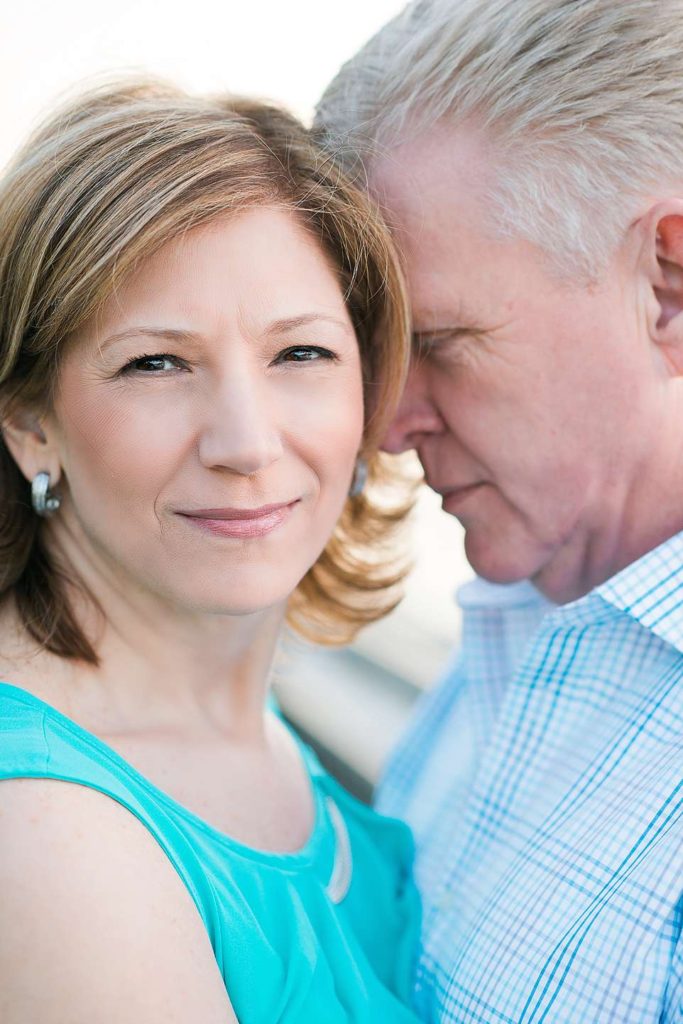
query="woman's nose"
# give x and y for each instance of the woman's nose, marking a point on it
(241, 431)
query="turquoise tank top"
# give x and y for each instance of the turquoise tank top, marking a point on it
(328, 933)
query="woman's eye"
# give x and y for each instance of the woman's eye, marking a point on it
(152, 364)
(304, 354)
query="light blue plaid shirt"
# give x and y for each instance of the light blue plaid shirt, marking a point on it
(544, 782)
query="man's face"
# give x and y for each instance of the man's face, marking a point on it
(534, 403)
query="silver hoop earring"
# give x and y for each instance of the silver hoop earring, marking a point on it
(359, 478)
(44, 503)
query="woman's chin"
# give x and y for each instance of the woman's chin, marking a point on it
(238, 600)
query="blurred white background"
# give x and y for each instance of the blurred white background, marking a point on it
(284, 51)
(353, 703)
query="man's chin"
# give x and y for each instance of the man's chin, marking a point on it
(500, 564)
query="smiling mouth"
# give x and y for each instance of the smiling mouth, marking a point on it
(241, 522)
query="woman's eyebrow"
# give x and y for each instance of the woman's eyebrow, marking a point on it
(280, 326)
(161, 333)
(293, 323)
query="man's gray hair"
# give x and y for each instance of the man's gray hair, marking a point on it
(582, 101)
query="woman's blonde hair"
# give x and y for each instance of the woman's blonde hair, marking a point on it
(104, 184)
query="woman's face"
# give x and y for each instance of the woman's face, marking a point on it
(207, 424)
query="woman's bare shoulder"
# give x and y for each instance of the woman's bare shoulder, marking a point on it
(97, 925)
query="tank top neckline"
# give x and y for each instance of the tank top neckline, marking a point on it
(293, 860)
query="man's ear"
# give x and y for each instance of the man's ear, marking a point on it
(662, 263)
(25, 436)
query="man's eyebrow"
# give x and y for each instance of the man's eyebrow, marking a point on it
(447, 332)
(426, 337)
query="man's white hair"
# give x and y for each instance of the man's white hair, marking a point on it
(582, 101)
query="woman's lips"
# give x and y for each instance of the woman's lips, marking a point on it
(241, 522)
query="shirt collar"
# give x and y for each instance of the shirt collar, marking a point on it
(651, 591)
(479, 593)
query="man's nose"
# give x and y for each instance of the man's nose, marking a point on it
(415, 418)
(241, 432)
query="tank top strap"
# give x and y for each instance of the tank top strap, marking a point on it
(309, 756)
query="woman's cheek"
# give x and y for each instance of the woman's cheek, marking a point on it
(333, 411)
(118, 447)
(330, 449)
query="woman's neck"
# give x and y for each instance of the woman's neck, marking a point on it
(159, 668)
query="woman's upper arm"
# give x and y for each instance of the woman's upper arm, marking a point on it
(97, 926)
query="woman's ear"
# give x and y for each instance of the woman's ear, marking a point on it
(25, 437)
(662, 263)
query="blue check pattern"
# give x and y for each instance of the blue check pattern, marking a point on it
(544, 782)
